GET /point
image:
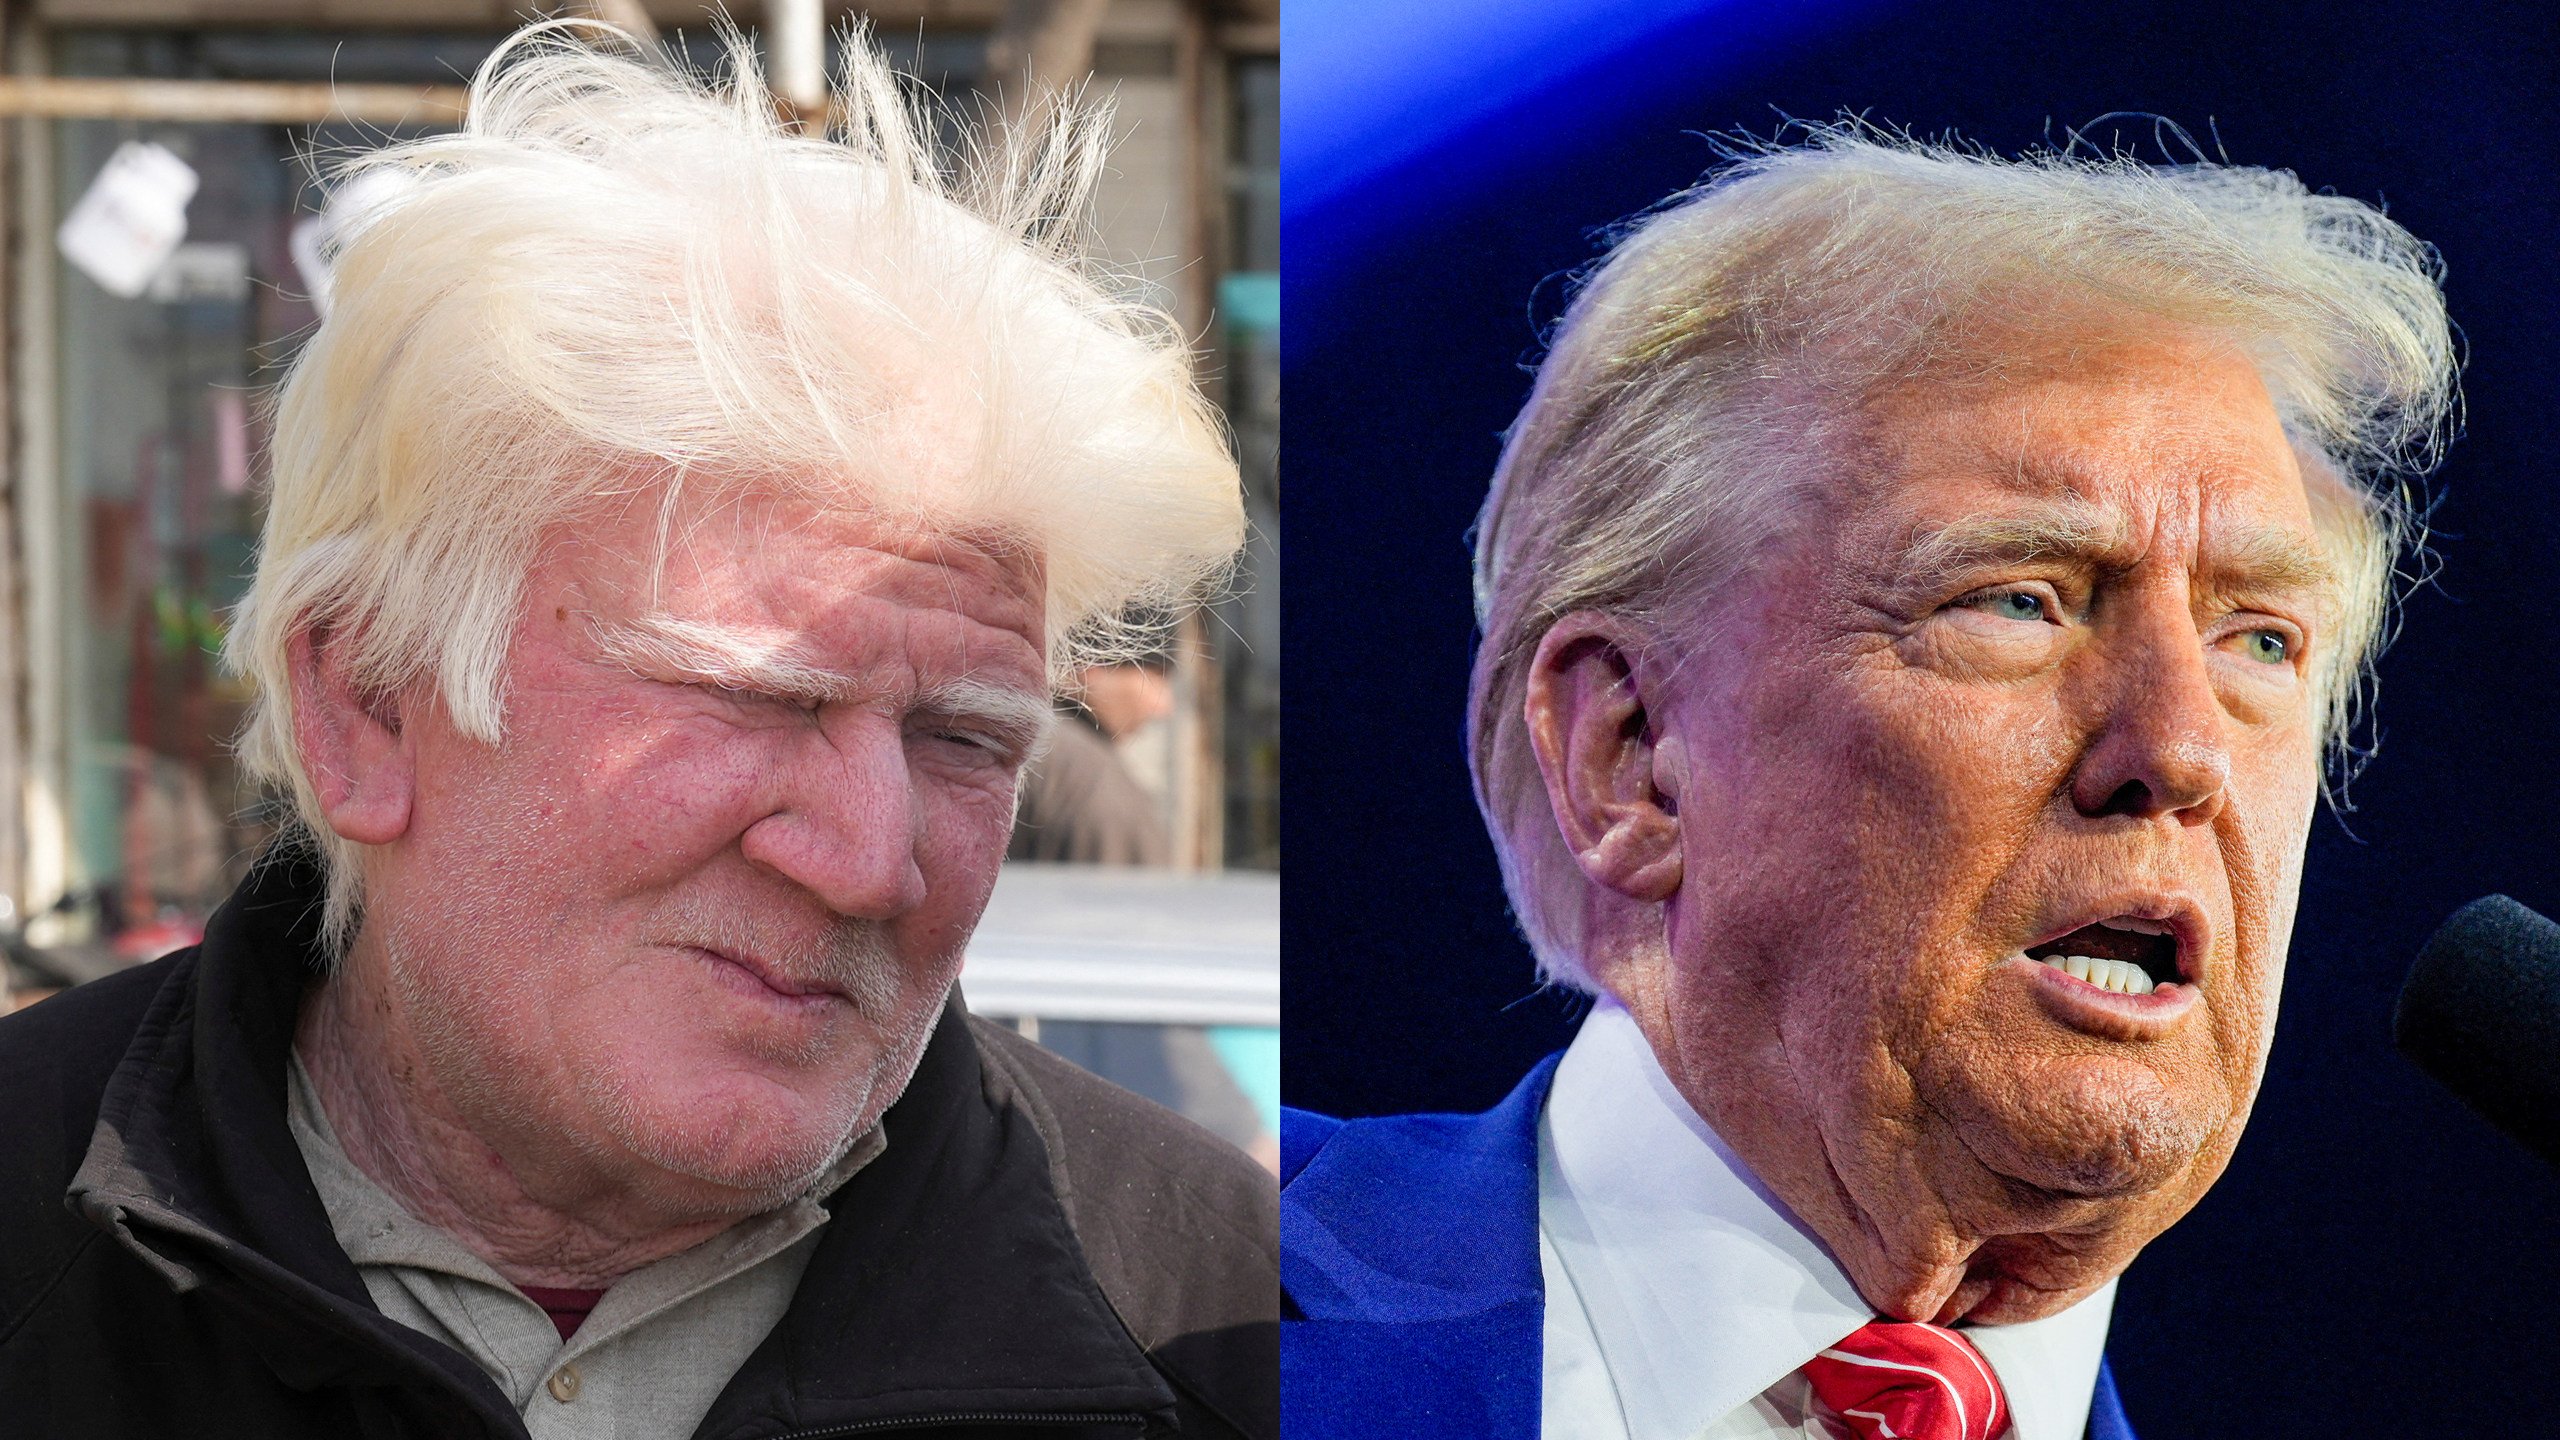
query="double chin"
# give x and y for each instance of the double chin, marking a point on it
(2085, 1128)
(2019, 1202)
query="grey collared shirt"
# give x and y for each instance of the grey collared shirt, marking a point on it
(656, 1351)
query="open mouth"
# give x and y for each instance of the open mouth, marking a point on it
(2123, 954)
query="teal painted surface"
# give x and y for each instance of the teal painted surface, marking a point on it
(1250, 301)
(1252, 1055)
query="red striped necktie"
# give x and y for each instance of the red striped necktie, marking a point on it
(1895, 1381)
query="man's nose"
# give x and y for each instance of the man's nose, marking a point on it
(2160, 747)
(846, 820)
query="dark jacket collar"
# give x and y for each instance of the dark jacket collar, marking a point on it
(193, 1169)
(1416, 1304)
(947, 1280)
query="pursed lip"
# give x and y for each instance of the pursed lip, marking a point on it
(2178, 912)
(780, 984)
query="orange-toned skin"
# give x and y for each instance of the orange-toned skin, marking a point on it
(1821, 825)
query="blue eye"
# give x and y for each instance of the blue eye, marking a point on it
(2024, 605)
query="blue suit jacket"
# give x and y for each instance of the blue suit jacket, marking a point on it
(1413, 1306)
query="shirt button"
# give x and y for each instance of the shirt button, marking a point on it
(564, 1384)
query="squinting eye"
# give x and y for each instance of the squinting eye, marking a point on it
(2269, 646)
(749, 695)
(980, 746)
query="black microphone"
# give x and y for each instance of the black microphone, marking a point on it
(2480, 1012)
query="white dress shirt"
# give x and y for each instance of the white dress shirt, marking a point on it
(1683, 1299)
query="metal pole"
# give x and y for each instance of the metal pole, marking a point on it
(226, 102)
(795, 33)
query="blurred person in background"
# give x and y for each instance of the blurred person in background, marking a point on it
(1081, 804)
(680, 526)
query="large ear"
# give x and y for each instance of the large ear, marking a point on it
(1612, 777)
(361, 765)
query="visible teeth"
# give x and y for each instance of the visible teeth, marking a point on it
(2136, 925)
(2122, 976)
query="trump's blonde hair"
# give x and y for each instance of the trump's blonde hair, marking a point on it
(617, 278)
(1703, 372)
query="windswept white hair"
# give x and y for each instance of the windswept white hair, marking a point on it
(617, 279)
(1720, 355)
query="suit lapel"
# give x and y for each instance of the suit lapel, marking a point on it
(1411, 1271)
(2106, 1409)
(1414, 1304)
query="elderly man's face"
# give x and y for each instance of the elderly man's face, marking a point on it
(690, 923)
(2046, 665)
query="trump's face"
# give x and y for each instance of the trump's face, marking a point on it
(1991, 788)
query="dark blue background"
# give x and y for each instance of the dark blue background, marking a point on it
(2377, 1261)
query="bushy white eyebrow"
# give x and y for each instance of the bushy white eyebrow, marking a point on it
(1017, 719)
(767, 662)
(662, 647)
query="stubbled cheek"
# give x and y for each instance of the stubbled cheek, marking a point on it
(959, 854)
(967, 828)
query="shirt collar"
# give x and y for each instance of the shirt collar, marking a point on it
(1696, 1278)
(375, 1229)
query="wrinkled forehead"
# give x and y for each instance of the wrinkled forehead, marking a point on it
(795, 551)
(2118, 442)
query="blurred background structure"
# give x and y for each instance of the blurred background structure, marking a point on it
(161, 167)
(1449, 164)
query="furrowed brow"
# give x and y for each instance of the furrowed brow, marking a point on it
(1977, 543)
(2251, 561)
(1018, 718)
(738, 658)
(731, 657)
(2269, 561)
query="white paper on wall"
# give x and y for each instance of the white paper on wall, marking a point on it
(316, 239)
(131, 219)
(204, 270)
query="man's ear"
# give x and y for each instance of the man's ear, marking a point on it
(362, 766)
(1612, 777)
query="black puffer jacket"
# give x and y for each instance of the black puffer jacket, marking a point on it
(1037, 1252)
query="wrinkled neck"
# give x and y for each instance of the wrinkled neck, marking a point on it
(570, 1228)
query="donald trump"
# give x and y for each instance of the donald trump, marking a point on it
(1916, 602)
